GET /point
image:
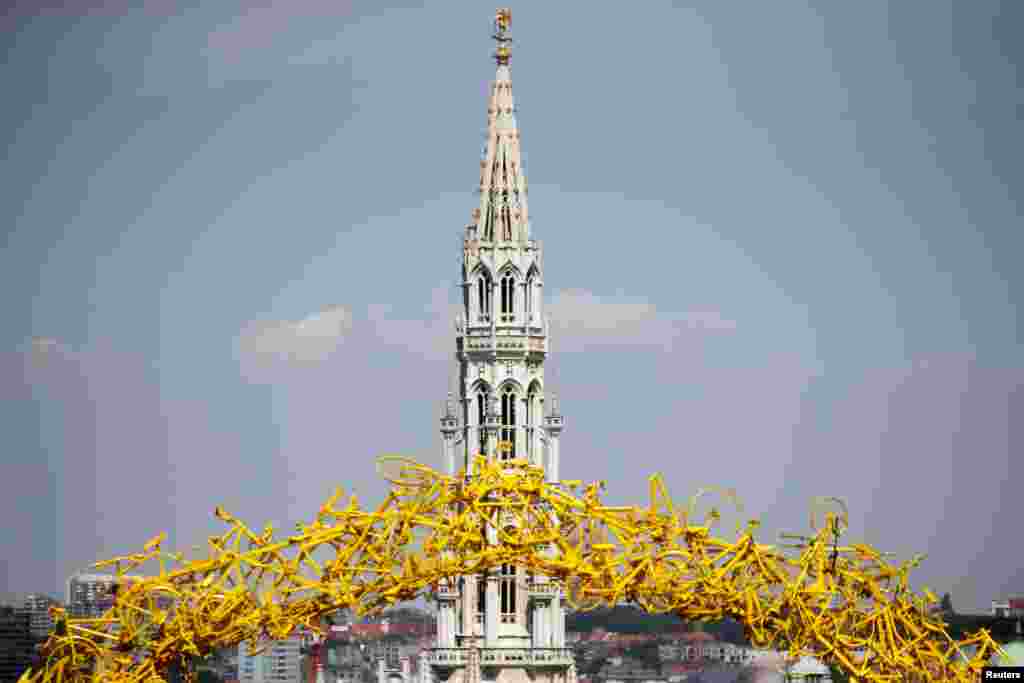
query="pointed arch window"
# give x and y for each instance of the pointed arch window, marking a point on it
(528, 299)
(508, 593)
(508, 421)
(483, 285)
(481, 597)
(508, 298)
(532, 416)
(481, 417)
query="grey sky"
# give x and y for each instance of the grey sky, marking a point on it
(781, 247)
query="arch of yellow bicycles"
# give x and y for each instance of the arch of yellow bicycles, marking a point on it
(813, 595)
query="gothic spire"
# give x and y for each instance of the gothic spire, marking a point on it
(502, 215)
(498, 404)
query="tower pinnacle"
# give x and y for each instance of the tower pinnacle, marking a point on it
(502, 214)
(502, 20)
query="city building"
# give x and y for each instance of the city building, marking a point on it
(37, 607)
(345, 661)
(503, 626)
(384, 628)
(1010, 608)
(394, 670)
(17, 646)
(391, 648)
(88, 596)
(280, 662)
(392, 659)
(223, 662)
(629, 674)
(808, 669)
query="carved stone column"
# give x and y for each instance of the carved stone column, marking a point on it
(553, 426)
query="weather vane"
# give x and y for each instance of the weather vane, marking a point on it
(502, 19)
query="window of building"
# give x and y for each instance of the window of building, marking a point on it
(528, 299)
(481, 417)
(484, 296)
(481, 597)
(508, 422)
(532, 416)
(508, 285)
(508, 593)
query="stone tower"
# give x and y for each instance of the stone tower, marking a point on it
(507, 626)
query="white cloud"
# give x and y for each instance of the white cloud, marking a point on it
(310, 340)
(582, 320)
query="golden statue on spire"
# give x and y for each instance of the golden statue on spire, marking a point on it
(502, 20)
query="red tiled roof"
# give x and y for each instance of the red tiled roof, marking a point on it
(367, 629)
(698, 636)
(381, 629)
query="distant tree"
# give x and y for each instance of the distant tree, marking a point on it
(946, 604)
(837, 674)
